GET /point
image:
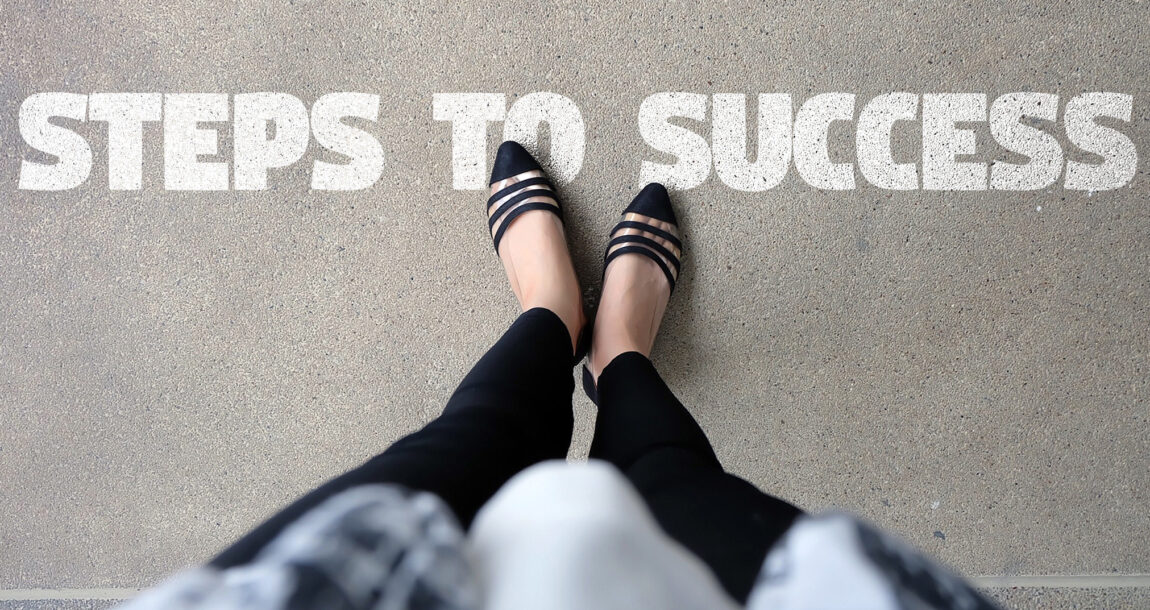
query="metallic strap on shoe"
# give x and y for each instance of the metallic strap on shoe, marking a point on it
(518, 195)
(641, 244)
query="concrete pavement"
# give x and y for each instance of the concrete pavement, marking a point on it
(961, 368)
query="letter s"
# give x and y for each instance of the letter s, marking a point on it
(694, 153)
(365, 151)
(1120, 159)
(72, 150)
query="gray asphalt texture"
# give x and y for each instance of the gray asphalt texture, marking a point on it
(959, 368)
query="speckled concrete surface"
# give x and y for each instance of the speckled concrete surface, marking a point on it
(960, 368)
(1077, 599)
(58, 604)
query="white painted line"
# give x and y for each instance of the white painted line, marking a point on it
(1076, 581)
(35, 594)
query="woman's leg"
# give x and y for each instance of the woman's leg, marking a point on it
(647, 433)
(512, 410)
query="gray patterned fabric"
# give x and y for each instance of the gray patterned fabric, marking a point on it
(373, 547)
(833, 560)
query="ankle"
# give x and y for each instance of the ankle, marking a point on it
(609, 344)
(571, 316)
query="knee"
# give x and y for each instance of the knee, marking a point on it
(561, 528)
(555, 493)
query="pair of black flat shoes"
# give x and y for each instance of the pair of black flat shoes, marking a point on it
(524, 187)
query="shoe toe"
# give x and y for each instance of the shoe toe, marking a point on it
(653, 201)
(511, 159)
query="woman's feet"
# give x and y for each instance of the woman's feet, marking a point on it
(641, 266)
(526, 224)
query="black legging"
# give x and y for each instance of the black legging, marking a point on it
(514, 409)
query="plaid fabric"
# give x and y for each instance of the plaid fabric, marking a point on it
(373, 547)
(833, 560)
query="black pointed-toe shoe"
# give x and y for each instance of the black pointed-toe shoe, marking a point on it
(636, 233)
(520, 185)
